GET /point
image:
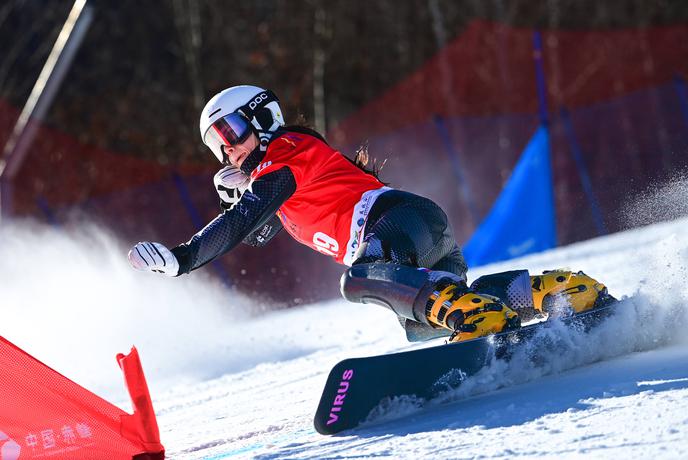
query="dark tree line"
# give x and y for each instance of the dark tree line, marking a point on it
(146, 68)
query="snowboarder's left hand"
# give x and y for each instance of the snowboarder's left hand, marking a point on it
(230, 183)
(153, 257)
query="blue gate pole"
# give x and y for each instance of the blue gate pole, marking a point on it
(197, 221)
(540, 77)
(680, 85)
(47, 212)
(543, 111)
(453, 155)
(583, 173)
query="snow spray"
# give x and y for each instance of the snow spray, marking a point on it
(656, 315)
(71, 299)
(648, 267)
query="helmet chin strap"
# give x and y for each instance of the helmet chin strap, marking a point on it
(263, 141)
(264, 135)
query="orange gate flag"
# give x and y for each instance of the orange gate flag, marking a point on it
(43, 414)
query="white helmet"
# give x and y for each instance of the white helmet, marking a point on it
(229, 113)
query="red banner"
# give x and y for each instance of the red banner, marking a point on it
(45, 415)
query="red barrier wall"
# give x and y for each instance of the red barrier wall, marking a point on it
(618, 86)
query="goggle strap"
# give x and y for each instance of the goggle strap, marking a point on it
(260, 101)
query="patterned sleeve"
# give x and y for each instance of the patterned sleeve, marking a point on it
(256, 208)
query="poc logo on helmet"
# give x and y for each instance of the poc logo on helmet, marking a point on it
(257, 100)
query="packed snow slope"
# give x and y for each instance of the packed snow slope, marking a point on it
(230, 380)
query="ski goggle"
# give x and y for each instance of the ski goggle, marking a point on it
(231, 129)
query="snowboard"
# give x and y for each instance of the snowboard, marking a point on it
(356, 386)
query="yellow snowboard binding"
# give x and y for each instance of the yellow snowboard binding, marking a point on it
(430, 303)
(560, 288)
(469, 314)
(497, 303)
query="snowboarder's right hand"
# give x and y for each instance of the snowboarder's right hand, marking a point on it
(230, 184)
(153, 257)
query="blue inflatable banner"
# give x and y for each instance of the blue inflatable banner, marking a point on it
(522, 220)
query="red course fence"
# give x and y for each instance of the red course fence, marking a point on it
(618, 117)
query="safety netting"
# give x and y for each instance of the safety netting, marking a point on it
(453, 131)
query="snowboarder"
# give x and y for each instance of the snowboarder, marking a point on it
(399, 246)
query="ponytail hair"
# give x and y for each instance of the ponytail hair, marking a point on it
(361, 157)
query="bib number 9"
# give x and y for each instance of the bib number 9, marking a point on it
(325, 244)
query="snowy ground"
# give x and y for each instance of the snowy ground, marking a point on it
(229, 384)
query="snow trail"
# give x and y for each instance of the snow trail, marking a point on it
(228, 384)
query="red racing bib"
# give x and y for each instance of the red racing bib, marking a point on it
(327, 212)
